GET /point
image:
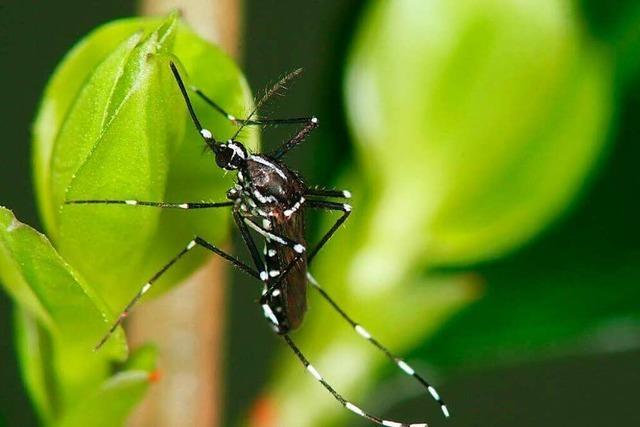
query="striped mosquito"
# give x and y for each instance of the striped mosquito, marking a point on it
(270, 199)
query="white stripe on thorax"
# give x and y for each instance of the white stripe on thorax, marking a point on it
(268, 163)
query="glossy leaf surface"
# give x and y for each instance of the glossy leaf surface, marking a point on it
(123, 133)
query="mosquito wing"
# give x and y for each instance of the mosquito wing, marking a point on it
(294, 285)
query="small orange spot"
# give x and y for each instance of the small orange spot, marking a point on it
(263, 413)
(154, 376)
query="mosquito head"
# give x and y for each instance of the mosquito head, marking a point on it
(230, 155)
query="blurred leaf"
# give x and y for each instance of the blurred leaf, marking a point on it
(35, 354)
(121, 134)
(478, 121)
(538, 310)
(69, 310)
(110, 405)
(616, 25)
(572, 291)
(626, 43)
(143, 358)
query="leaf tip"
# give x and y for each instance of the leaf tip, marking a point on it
(175, 15)
(168, 27)
(14, 225)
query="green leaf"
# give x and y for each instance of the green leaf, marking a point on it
(551, 300)
(34, 350)
(487, 126)
(110, 404)
(115, 144)
(113, 125)
(143, 358)
(70, 312)
(124, 134)
(616, 26)
(67, 81)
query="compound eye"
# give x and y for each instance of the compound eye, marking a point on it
(235, 161)
(230, 156)
(224, 157)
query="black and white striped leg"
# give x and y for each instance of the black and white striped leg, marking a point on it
(243, 122)
(256, 122)
(297, 247)
(235, 261)
(321, 205)
(321, 192)
(164, 205)
(350, 406)
(333, 206)
(206, 134)
(147, 286)
(251, 245)
(367, 336)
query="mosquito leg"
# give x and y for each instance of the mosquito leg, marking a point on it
(350, 406)
(198, 241)
(359, 329)
(321, 192)
(311, 122)
(251, 245)
(346, 209)
(205, 133)
(297, 247)
(165, 205)
(367, 336)
(258, 122)
(332, 206)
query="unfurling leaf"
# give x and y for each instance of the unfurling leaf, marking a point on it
(113, 126)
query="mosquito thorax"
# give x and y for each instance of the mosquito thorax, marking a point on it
(230, 155)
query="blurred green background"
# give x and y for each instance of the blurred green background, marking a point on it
(553, 334)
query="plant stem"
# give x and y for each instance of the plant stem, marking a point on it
(187, 324)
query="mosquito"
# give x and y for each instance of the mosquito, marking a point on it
(270, 199)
